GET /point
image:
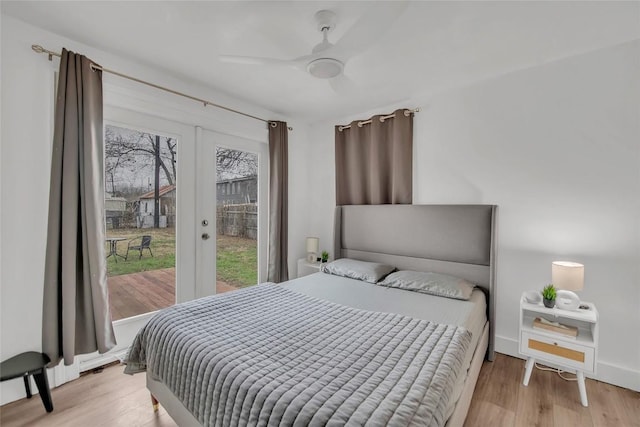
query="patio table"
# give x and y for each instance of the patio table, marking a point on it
(113, 247)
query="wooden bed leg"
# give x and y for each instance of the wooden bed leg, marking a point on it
(154, 402)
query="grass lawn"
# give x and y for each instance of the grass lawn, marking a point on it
(237, 261)
(237, 258)
(163, 246)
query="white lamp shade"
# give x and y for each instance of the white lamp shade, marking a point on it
(312, 244)
(567, 275)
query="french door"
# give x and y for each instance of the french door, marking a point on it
(203, 203)
(232, 205)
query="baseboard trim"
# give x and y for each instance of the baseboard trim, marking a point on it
(508, 346)
(103, 359)
(607, 372)
(618, 375)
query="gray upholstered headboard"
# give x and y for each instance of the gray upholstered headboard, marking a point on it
(454, 239)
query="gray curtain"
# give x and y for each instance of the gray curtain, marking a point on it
(76, 316)
(374, 161)
(277, 270)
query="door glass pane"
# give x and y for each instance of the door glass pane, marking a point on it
(237, 219)
(140, 211)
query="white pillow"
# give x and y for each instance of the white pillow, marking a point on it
(370, 272)
(441, 285)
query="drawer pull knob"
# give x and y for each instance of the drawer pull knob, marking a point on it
(555, 343)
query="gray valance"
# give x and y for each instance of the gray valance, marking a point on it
(374, 161)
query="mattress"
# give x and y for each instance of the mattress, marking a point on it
(366, 296)
(470, 314)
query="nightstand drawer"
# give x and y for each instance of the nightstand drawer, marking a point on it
(561, 352)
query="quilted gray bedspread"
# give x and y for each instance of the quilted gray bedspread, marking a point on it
(270, 356)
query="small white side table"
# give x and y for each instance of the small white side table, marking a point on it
(305, 267)
(579, 354)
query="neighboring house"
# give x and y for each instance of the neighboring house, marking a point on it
(114, 208)
(237, 191)
(146, 208)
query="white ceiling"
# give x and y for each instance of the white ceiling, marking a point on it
(430, 47)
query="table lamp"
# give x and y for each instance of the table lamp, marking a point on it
(567, 277)
(312, 248)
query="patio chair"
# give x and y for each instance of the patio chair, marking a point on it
(145, 243)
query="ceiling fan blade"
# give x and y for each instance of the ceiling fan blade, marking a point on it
(369, 28)
(255, 60)
(343, 85)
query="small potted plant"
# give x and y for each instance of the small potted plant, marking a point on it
(325, 256)
(549, 296)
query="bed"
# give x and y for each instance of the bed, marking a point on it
(304, 331)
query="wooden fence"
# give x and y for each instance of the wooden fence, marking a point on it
(237, 220)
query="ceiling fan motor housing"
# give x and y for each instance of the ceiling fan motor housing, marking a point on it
(325, 68)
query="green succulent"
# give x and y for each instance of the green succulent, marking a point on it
(549, 292)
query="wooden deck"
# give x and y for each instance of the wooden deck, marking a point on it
(138, 293)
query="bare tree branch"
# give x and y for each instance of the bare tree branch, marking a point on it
(235, 163)
(136, 152)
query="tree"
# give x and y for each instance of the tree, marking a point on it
(116, 156)
(235, 163)
(163, 154)
(131, 154)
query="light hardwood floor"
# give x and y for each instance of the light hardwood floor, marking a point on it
(110, 398)
(500, 399)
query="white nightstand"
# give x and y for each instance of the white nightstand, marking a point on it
(577, 354)
(305, 267)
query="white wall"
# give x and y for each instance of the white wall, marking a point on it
(27, 96)
(27, 82)
(557, 147)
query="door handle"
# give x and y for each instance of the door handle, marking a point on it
(205, 236)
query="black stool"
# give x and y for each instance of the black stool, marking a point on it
(25, 364)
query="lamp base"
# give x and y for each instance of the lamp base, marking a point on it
(567, 300)
(311, 257)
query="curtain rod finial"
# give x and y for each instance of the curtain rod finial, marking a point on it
(275, 124)
(39, 49)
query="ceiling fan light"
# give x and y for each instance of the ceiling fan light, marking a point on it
(325, 68)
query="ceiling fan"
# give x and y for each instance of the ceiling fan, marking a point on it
(327, 60)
